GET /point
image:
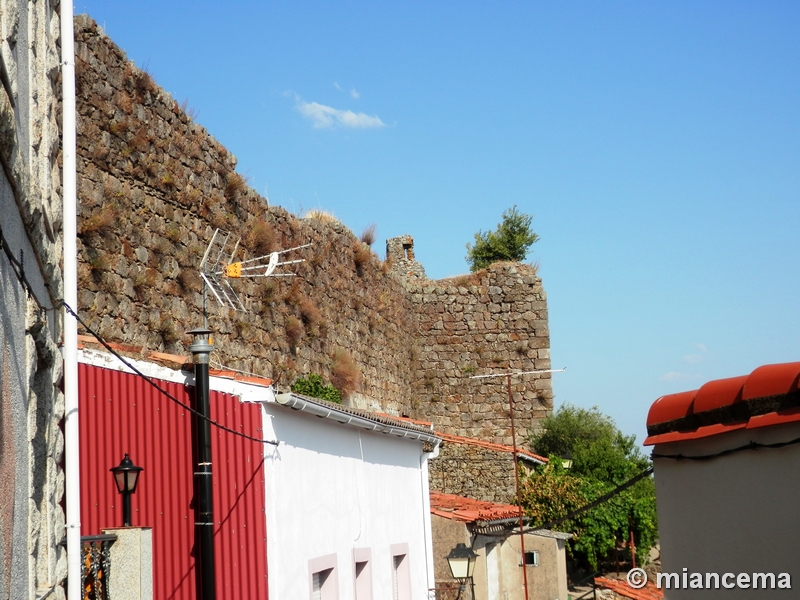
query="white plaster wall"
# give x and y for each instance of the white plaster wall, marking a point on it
(498, 574)
(733, 514)
(332, 488)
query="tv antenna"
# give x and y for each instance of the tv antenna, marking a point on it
(508, 375)
(218, 266)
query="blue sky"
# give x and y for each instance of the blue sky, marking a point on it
(657, 145)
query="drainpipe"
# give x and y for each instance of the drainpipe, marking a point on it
(204, 514)
(516, 486)
(70, 348)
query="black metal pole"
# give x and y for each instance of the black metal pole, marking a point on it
(126, 509)
(204, 514)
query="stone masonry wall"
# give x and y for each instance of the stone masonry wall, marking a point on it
(474, 472)
(153, 187)
(479, 324)
(32, 528)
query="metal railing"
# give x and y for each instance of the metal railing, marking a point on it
(96, 566)
(585, 594)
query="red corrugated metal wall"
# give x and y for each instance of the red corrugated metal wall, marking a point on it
(121, 413)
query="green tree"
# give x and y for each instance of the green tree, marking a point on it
(510, 241)
(314, 387)
(603, 458)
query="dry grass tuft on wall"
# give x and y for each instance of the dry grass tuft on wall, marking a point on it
(345, 375)
(311, 316)
(361, 257)
(294, 331)
(321, 216)
(260, 236)
(368, 236)
(235, 186)
(100, 222)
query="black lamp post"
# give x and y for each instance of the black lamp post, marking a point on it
(126, 476)
(204, 514)
(462, 564)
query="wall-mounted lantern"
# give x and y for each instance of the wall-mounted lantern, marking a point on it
(462, 564)
(566, 460)
(126, 476)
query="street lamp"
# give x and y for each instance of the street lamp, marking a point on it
(462, 564)
(566, 460)
(126, 476)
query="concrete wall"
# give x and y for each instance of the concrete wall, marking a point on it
(334, 490)
(153, 186)
(32, 560)
(498, 575)
(732, 514)
(131, 573)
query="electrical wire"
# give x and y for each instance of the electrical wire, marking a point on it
(157, 387)
(597, 502)
(17, 267)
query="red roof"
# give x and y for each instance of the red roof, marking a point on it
(765, 397)
(460, 439)
(469, 510)
(171, 360)
(621, 587)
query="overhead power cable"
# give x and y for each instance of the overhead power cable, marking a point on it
(594, 503)
(157, 387)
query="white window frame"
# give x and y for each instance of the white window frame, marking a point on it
(401, 572)
(324, 566)
(362, 579)
(524, 563)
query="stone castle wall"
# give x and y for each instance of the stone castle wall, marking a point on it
(473, 472)
(154, 186)
(489, 322)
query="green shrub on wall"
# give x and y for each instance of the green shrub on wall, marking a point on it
(314, 387)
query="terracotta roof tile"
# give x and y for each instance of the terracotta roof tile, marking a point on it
(469, 510)
(770, 395)
(459, 439)
(621, 587)
(171, 360)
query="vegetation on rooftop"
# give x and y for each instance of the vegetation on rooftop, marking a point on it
(314, 386)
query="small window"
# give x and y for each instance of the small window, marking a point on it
(318, 584)
(401, 573)
(531, 559)
(363, 581)
(324, 582)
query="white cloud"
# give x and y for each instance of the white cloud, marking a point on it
(353, 93)
(693, 359)
(325, 117)
(678, 376)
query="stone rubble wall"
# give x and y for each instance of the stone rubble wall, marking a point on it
(153, 187)
(32, 529)
(487, 322)
(473, 472)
